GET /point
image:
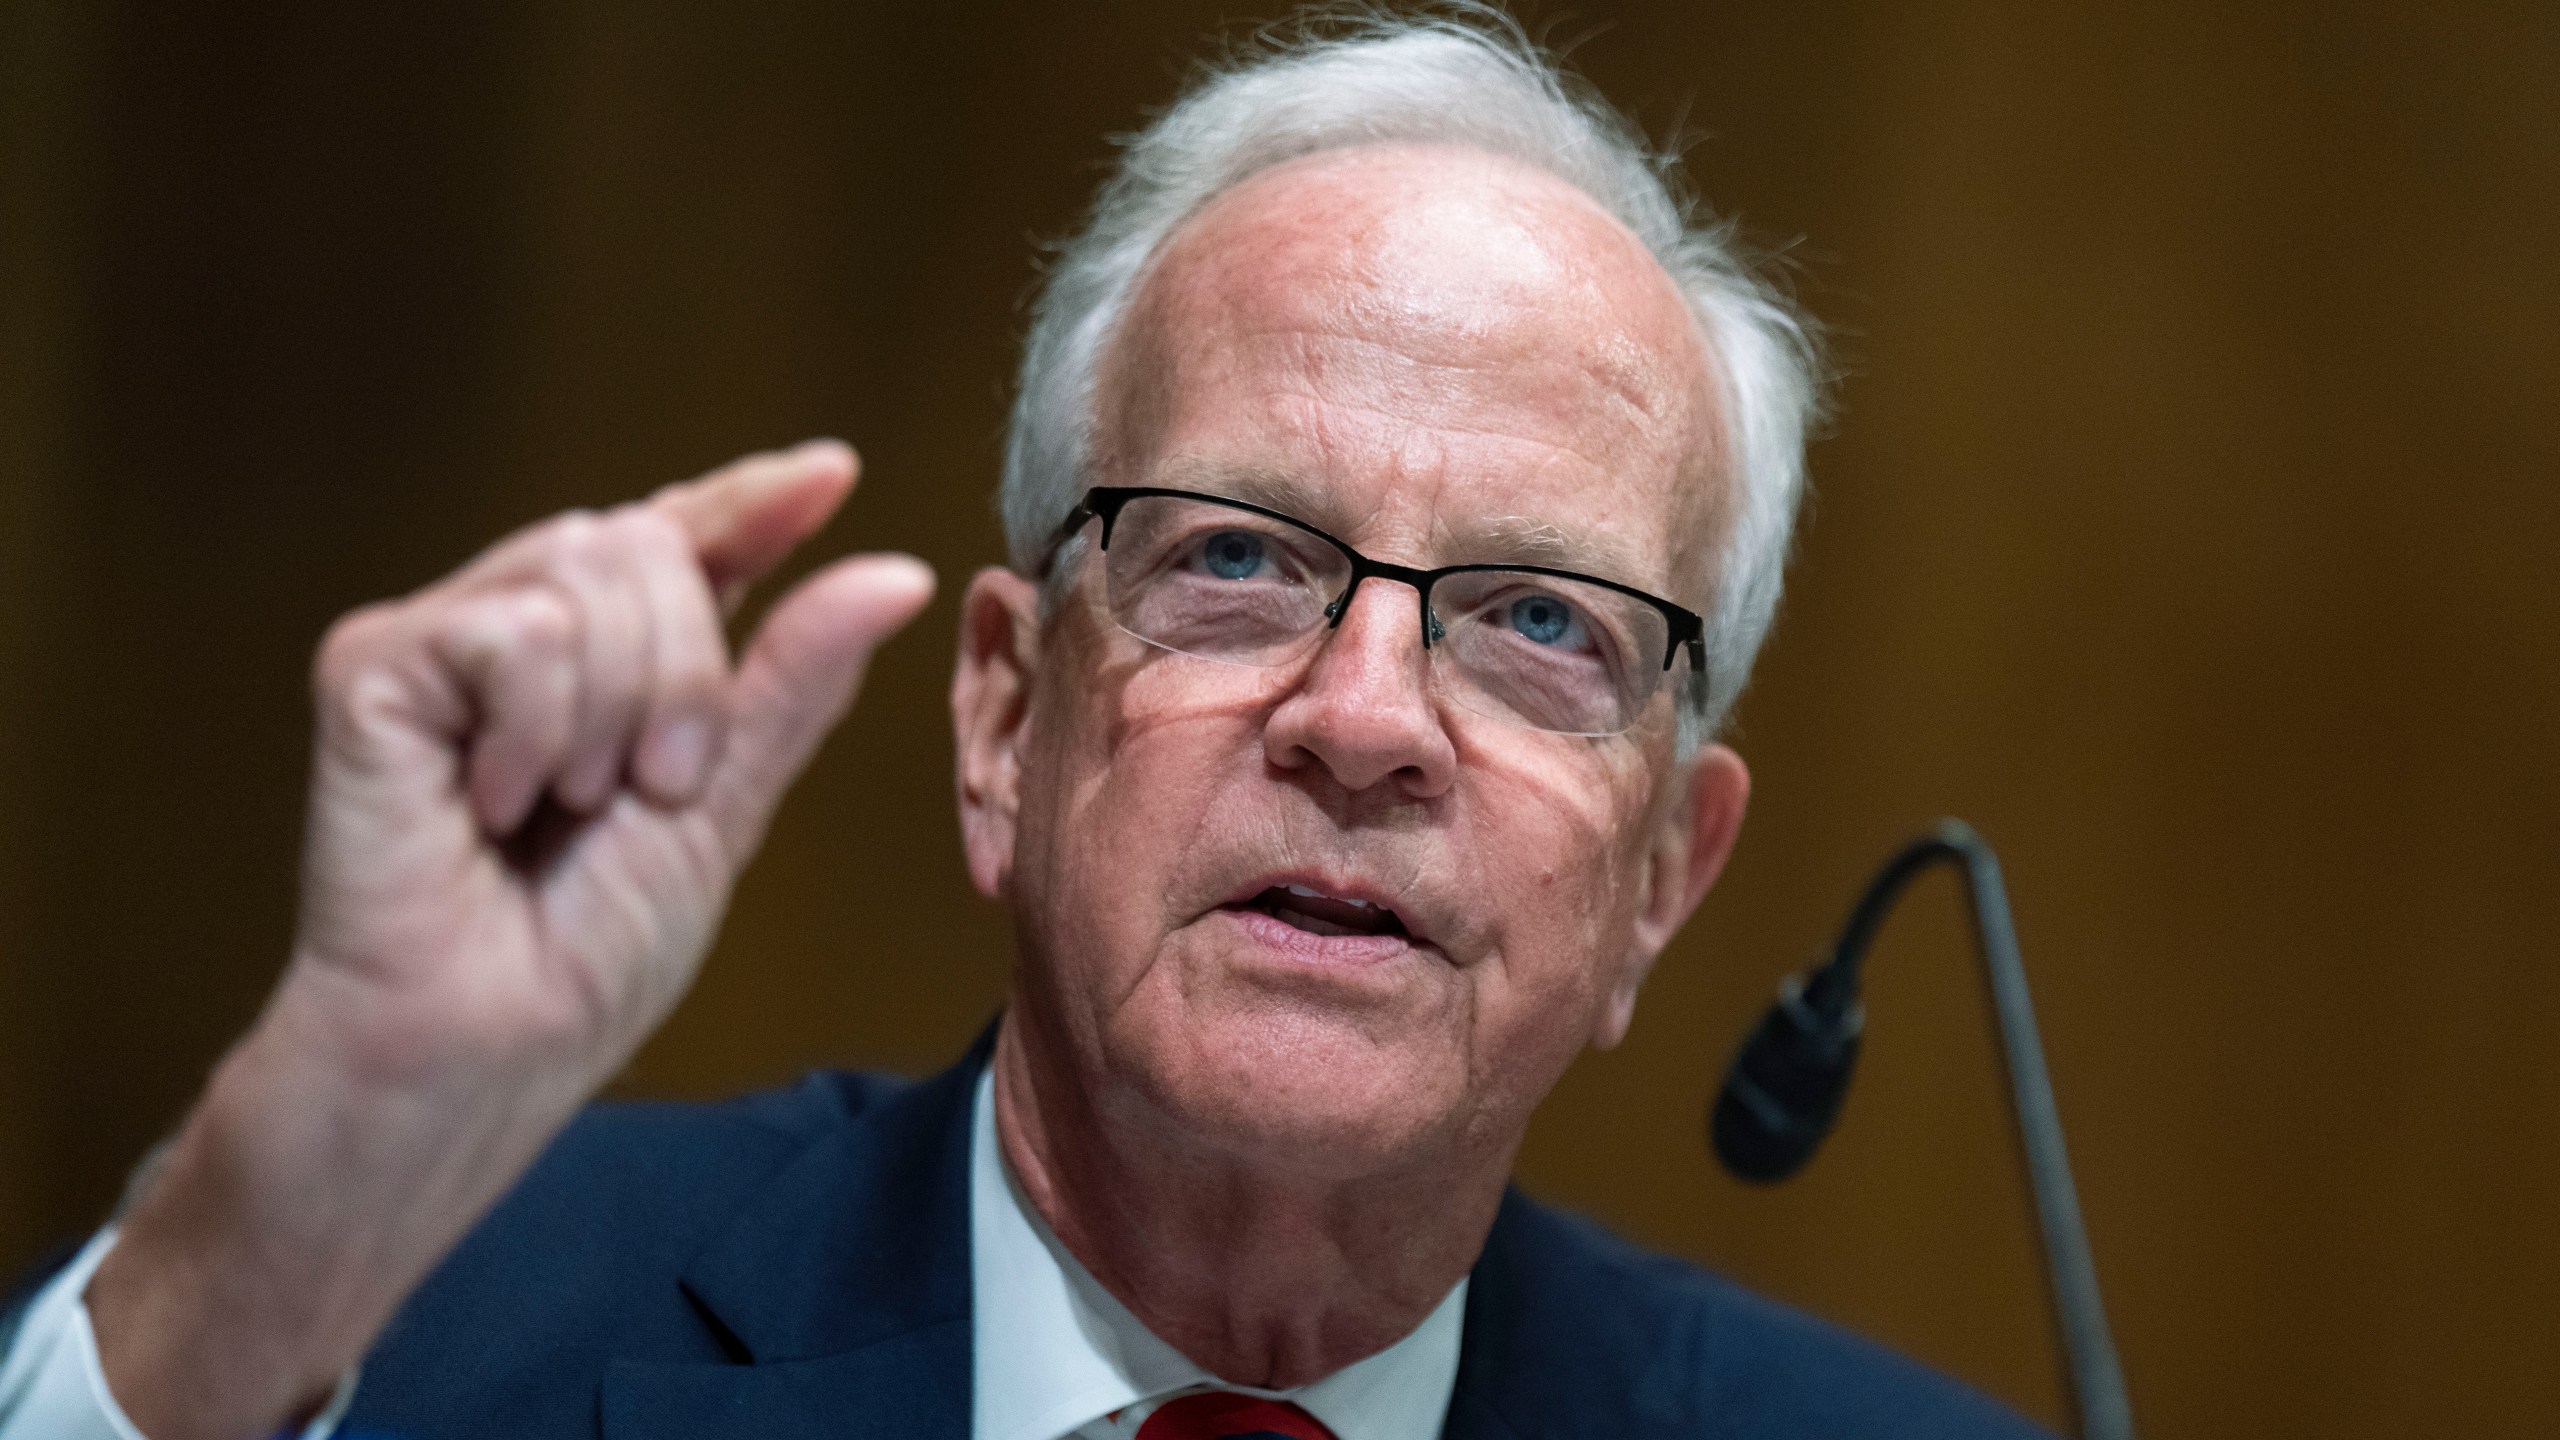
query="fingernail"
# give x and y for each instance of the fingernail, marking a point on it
(676, 755)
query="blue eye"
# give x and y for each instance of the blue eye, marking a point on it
(1543, 619)
(1232, 554)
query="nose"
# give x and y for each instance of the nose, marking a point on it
(1363, 712)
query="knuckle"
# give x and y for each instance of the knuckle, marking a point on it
(541, 618)
(352, 642)
(477, 630)
(686, 606)
(693, 687)
(569, 543)
(355, 679)
(652, 545)
(656, 534)
(495, 629)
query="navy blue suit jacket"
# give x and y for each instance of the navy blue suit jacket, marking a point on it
(797, 1264)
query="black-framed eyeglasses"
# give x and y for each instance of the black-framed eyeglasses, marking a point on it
(1234, 582)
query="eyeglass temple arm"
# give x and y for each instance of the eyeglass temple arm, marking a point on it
(1067, 528)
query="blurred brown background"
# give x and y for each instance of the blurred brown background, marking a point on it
(2189, 528)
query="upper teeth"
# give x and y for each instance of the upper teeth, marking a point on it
(1304, 893)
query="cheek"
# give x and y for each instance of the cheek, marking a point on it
(1550, 833)
(1133, 773)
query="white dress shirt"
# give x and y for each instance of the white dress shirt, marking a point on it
(1059, 1359)
(1056, 1357)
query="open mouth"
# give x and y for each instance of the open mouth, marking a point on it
(1320, 914)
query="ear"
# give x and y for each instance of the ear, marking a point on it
(990, 705)
(1692, 835)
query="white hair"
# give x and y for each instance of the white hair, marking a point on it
(1459, 74)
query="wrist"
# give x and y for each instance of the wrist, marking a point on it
(215, 1315)
(315, 1183)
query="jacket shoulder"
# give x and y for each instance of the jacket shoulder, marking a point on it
(579, 1263)
(1585, 1333)
(661, 1176)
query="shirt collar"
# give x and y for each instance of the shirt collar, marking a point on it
(1054, 1351)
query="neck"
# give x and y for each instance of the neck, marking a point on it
(1261, 1279)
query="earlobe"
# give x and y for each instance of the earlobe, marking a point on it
(1692, 838)
(990, 706)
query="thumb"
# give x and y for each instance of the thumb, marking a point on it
(797, 679)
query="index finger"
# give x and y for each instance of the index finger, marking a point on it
(745, 516)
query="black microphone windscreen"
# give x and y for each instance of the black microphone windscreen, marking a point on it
(1785, 1087)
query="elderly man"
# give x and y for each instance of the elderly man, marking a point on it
(1397, 492)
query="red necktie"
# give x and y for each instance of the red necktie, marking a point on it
(1219, 1415)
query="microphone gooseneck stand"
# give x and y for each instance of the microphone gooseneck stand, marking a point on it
(1788, 1079)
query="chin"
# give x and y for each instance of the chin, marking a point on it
(1302, 1093)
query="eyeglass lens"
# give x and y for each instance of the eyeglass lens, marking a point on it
(1228, 585)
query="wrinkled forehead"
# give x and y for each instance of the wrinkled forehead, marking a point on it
(1426, 338)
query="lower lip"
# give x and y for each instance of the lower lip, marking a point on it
(1308, 947)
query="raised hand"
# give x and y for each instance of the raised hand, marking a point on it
(536, 781)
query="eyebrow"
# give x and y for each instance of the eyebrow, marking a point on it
(1495, 540)
(1539, 542)
(1253, 484)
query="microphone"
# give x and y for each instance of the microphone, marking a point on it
(1787, 1081)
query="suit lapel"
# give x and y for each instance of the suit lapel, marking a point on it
(844, 1285)
(910, 1385)
(1500, 1326)
(1555, 1349)
(1472, 1417)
